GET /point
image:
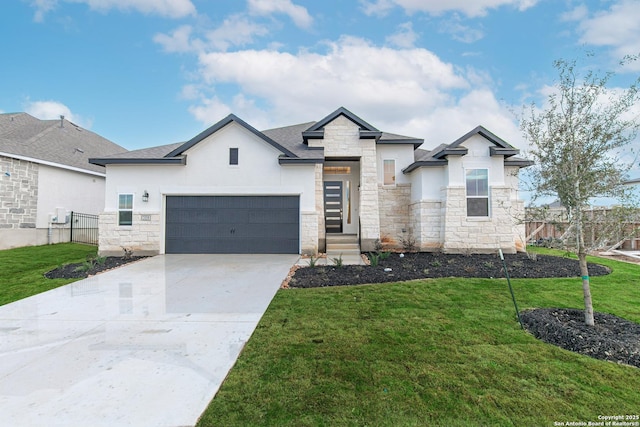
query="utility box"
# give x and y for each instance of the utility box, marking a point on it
(60, 216)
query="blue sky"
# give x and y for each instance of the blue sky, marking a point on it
(153, 72)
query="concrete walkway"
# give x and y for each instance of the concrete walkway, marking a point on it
(148, 344)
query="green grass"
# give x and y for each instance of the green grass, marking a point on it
(431, 352)
(22, 269)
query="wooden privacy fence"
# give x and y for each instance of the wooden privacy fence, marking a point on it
(600, 231)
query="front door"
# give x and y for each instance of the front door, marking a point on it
(333, 206)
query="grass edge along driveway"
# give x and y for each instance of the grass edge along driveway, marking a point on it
(426, 352)
(22, 269)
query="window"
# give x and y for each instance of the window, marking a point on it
(125, 209)
(233, 156)
(477, 192)
(389, 167)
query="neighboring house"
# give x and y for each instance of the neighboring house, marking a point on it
(234, 189)
(44, 175)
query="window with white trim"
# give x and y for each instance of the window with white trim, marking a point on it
(477, 192)
(389, 171)
(125, 209)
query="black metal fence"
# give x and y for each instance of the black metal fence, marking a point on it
(84, 228)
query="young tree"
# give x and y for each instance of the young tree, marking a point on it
(577, 143)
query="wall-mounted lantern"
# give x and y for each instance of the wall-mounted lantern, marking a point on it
(145, 196)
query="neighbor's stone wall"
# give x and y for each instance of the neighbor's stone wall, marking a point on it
(427, 226)
(463, 234)
(143, 237)
(342, 140)
(394, 214)
(18, 193)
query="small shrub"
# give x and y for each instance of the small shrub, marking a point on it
(313, 261)
(488, 264)
(377, 245)
(425, 271)
(470, 269)
(374, 259)
(436, 263)
(517, 264)
(532, 256)
(337, 261)
(84, 267)
(408, 243)
(100, 260)
(128, 253)
(451, 261)
(384, 255)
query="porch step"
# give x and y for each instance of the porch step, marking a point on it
(345, 246)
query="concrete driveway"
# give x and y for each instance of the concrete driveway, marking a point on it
(148, 344)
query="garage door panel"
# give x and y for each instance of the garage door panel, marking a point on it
(232, 224)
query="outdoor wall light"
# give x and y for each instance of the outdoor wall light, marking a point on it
(145, 196)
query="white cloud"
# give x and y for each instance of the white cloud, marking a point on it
(459, 31)
(166, 8)
(408, 91)
(405, 37)
(236, 30)
(469, 8)
(42, 7)
(178, 41)
(298, 14)
(51, 110)
(616, 27)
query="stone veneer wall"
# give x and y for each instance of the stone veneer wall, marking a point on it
(18, 194)
(394, 214)
(426, 217)
(143, 237)
(463, 234)
(309, 233)
(342, 140)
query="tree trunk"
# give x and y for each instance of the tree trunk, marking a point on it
(584, 269)
(586, 290)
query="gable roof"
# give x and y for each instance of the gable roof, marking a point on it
(317, 130)
(291, 141)
(438, 156)
(176, 153)
(58, 143)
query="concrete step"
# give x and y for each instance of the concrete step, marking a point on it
(341, 238)
(335, 247)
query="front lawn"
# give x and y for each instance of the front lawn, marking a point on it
(427, 352)
(22, 269)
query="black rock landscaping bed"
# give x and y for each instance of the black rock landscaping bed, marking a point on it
(612, 338)
(89, 267)
(423, 265)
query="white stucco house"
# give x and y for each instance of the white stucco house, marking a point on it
(45, 175)
(234, 189)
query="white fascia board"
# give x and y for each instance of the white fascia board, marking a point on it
(52, 164)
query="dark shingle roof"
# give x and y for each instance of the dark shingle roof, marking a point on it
(46, 140)
(438, 156)
(290, 140)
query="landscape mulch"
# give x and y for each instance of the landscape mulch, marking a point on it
(422, 265)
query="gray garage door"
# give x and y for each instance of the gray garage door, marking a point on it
(232, 224)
